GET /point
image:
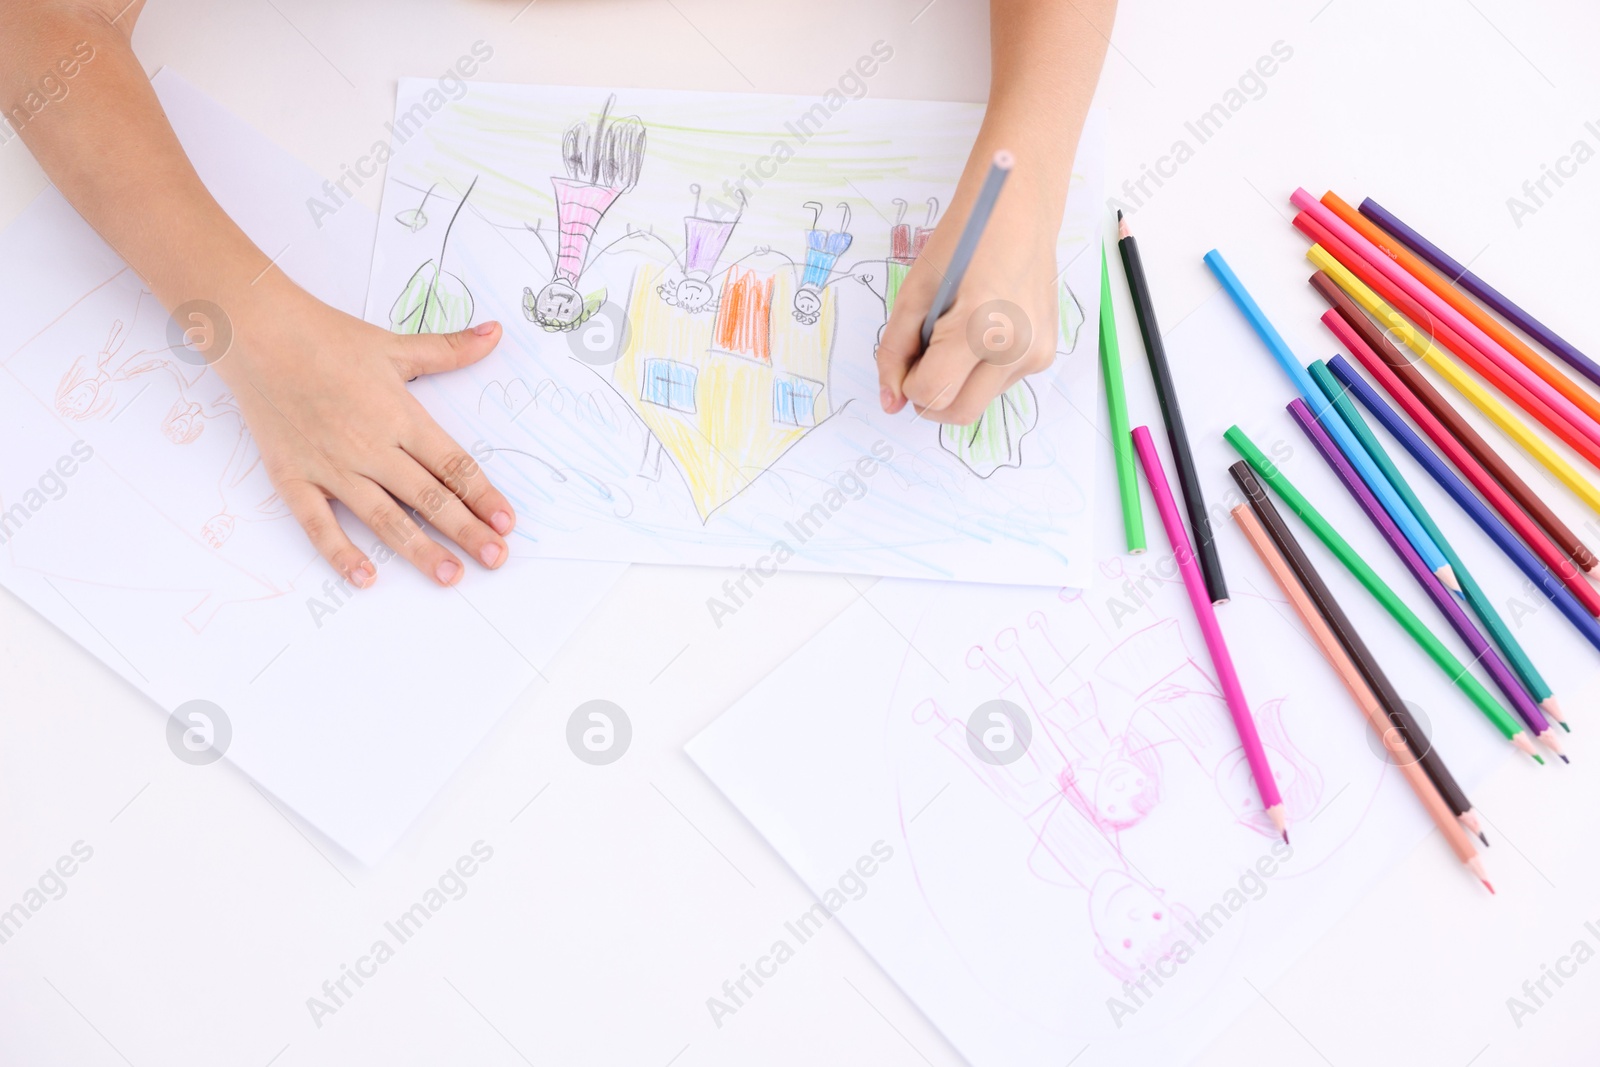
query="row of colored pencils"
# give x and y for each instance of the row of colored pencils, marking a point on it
(1370, 263)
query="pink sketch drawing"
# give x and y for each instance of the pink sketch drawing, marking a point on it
(1096, 765)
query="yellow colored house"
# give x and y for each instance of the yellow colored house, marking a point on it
(726, 392)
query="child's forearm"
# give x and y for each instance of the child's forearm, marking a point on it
(104, 141)
(1045, 57)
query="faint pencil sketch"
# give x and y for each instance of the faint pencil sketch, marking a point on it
(413, 218)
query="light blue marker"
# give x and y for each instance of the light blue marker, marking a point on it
(1318, 403)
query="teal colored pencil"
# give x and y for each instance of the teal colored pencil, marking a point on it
(1476, 599)
(1117, 402)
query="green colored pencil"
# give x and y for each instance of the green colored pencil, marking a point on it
(1453, 668)
(1117, 402)
(1471, 590)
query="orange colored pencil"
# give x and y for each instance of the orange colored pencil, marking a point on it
(1342, 664)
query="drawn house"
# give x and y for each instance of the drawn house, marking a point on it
(726, 395)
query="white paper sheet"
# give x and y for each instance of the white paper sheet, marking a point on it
(138, 521)
(1021, 897)
(741, 252)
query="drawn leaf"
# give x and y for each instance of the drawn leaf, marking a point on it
(995, 440)
(433, 301)
(1071, 313)
(412, 219)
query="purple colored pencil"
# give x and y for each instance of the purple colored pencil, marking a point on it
(1477, 644)
(1481, 289)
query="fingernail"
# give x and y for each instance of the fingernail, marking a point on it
(886, 397)
(362, 574)
(490, 554)
(446, 572)
(484, 329)
(501, 521)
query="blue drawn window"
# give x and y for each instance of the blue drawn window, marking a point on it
(669, 384)
(794, 401)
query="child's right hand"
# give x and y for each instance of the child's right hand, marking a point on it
(325, 396)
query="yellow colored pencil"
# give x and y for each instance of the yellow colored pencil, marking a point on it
(1453, 373)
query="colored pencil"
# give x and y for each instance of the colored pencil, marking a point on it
(1486, 325)
(1483, 291)
(1432, 329)
(1313, 396)
(1439, 316)
(1501, 675)
(1459, 380)
(1450, 483)
(1510, 648)
(1422, 749)
(1427, 793)
(967, 244)
(1500, 484)
(1171, 413)
(1205, 614)
(1117, 404)
(1446, 660)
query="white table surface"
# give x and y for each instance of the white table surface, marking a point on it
(620, 897)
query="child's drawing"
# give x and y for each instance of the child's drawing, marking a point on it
(434, 300)
(601, 164)
(142, 409)
(1102, 748)
(728, 386)
(413, 218)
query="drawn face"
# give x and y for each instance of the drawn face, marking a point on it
(1123, 795)
(693, 294)
(806, 305)
(217, 530)
(1133, 924)
(183, 423)
(78, 401)
(558, 304)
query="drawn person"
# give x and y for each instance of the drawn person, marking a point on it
(704, 240)
(602, 164)
(823, 249)
(85, 389)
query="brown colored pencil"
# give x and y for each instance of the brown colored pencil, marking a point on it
(1355, 680)
(1339, 623)
(1519, 490)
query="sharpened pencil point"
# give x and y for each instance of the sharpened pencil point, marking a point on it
(1567, 728)
(1447, 575)
(1487, 886)
(1538, 759)
(1564, 758)
(1484, 838)
(1119, 214)
(1286, 837)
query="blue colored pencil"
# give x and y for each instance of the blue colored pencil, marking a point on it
(1515, 655)
(1396, 508)
(1451, 483)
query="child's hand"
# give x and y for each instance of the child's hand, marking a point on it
(325, 396)
(1002, 324)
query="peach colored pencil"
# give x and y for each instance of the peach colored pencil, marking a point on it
(1454, 834)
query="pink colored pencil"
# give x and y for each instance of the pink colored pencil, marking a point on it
(1467, 331)
(1205, 614)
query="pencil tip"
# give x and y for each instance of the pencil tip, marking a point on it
(1487, 886)
(1119, 214)
(1286, 837)
(1567, 728)
(1539, 759)
(1447, 575)
(1564, 758)
(1484, 838)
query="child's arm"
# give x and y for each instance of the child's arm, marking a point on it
(1046, 57)
(324, 393)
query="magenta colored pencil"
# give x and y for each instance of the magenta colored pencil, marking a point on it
(1477, 644)
(1206, 615)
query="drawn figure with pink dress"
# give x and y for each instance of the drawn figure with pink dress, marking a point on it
(602, 163)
